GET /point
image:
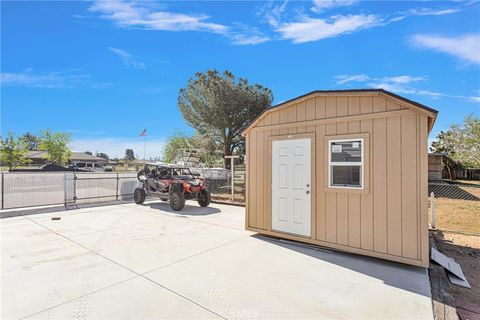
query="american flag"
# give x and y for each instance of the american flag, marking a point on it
(143, 133)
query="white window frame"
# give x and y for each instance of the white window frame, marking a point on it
(361, 164)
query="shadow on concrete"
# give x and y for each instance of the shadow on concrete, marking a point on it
(189, 210)
(406, 277)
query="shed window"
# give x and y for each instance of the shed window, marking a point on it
(345, 162)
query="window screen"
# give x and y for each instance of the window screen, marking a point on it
(346, 163)
(346, 176)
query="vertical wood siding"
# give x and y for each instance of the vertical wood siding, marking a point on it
(388, 221)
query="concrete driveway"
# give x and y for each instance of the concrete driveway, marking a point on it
(129, 261)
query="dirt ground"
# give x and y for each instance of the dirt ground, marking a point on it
(465, 249)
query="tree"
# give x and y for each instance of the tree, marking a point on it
(129, 155)
(102, 155)
(220, 107)
(462, 144)
(175, 143)
(88, 152)
(55, 144)
(31, 140)
(179, 140)
(13, 151)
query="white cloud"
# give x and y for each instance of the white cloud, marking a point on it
(246, 39)
(246, 35)
(432, 12)
(404, 84)
(343, 79)
(273, 15)
(127, 58)
(136, 15)
(321, 5)
(403, 79)
(475, 98)
(52, 79)
(465, 47)
(312, 29)
(115, 147)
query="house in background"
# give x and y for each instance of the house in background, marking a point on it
(345, 169)
(435, 166)
(40, 158)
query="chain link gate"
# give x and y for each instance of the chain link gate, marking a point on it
(31, 189)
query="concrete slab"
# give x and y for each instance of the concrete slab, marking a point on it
(134, 299)
(255, 278)
(145, 242)
(19, 232)
(42, 275)
(130, 261)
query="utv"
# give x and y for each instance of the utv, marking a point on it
(171, 183)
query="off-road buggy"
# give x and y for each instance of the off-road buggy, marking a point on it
(171, 183)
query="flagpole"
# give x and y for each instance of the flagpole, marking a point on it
(145, 146)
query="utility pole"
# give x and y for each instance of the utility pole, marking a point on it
(232, 168)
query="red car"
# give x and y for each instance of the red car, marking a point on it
(171, 183)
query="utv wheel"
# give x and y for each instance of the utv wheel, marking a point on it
(177, 200)
(139, 195)
(205, 198)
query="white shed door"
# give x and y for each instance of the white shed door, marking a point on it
(291, 186)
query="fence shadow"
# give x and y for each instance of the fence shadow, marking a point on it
(453, 191)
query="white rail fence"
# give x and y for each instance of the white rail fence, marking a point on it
(24, 189)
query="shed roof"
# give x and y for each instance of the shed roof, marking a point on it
(431, 113)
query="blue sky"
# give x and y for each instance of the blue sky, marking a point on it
(103, 71)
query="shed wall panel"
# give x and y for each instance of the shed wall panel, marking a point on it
(388, 219)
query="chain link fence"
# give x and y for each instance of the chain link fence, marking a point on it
(219, 182)
(31, 189)
(455, 207)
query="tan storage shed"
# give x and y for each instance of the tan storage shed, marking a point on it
(345, 169)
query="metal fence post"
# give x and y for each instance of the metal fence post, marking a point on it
(432, 206)
(74, 187)
(65, 189)
(3, 189)
(116, 188)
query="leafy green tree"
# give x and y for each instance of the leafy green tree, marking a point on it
(129, 155)
(31, 140)
(13, 151)
(102, 155)
(462, 144)
(175, 143)
(55, 144)
(179, 140)
(220, 107)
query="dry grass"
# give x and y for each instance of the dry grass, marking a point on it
(457, 208)
(458, 215)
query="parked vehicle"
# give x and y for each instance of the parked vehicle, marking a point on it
(90, 166)
(171, 183)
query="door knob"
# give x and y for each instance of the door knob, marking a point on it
(308, 185)
(307, 192)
